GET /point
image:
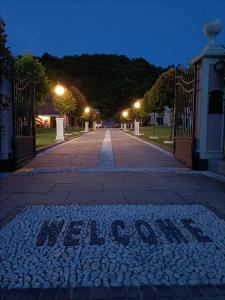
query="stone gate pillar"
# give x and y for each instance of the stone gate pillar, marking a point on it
(209, 97)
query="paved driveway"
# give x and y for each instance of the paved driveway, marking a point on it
(107, 216)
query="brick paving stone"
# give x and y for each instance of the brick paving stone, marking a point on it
(18, 199)
(10, 215)
(163, 291)
(15, 294)
(4, 196)
(148, 292)
(117, 293)
(33, 294)
(221, 290)
(62, 294)
(70, 187)
(95, 198)
(133, 293)
(129, 152)
(73, 153)
(180, 291)
(28, 187)
(120, 293)
(100, 293)
(197, 291)
(210, 290)
(82, 293)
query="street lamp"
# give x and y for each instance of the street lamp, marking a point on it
(87, 110)
(125, 114)
(137, 106)
(59, 90)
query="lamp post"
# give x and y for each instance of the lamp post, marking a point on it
(87, 112)
(125, 115)
(59, 91)
(137, 106)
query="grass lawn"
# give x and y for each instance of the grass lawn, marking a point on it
(46, 136)
(162, 132)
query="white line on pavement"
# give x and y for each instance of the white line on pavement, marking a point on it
(106, 156)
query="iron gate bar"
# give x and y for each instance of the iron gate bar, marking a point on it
(24, 117)
(184, 111)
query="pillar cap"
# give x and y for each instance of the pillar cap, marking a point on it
(211, 29)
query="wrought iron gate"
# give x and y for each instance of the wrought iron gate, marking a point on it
(184, 115)
(23, 116)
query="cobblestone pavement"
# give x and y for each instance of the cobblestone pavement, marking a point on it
(124, 197)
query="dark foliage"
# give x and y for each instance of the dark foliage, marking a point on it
(109, 82)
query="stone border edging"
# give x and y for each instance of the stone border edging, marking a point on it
(153, 145)
(48, 149)
(200, 292)
(178, 171)
(64, 170)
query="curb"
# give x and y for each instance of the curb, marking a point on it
(48, 149)
(153, 145)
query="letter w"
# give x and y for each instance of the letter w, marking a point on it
(49, 232)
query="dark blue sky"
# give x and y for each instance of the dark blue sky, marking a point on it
(162, 31)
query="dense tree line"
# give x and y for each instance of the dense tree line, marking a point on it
(110, 83)
(161, 93)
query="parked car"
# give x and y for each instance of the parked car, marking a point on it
(98, 125)
(116, 125)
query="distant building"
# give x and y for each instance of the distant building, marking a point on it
(45, 115)
(163, 119)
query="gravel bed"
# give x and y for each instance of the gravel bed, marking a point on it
(107, 170)
(63, 170)
(112, 245)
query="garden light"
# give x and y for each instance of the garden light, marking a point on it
(59, 90)
(137, 104)
(87, 110)
(125, 114)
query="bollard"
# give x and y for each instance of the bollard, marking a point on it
(86, 127)
(59, 129)
(136, 128)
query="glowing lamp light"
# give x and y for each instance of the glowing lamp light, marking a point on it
(137, 104)
(59, 90)
(125, 114)
(87, 110)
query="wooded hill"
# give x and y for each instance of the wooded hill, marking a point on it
(109, 82)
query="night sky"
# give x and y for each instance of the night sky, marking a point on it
(162, 31)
